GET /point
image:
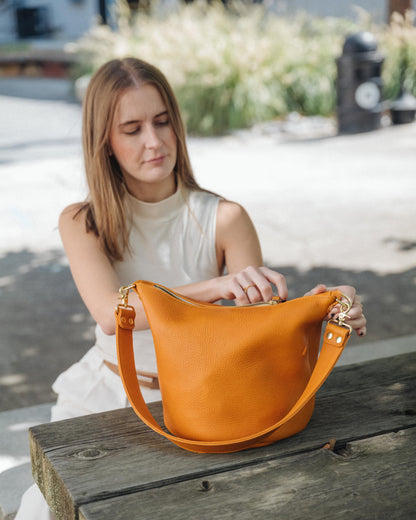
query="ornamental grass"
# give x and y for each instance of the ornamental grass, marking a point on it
(236, 65)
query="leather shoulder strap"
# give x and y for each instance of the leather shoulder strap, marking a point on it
(335, 339)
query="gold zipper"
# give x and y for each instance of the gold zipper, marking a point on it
(274, 301)
(174, 295)
(260, 304)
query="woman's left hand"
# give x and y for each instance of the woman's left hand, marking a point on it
(356, 317)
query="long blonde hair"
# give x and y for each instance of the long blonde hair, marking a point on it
(105, 212)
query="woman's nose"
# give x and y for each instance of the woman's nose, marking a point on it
(152, 139)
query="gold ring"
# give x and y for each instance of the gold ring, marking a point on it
(245, 289)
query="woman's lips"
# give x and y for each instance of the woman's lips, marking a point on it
(156, 160)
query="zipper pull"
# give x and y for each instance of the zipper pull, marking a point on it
(275, 300)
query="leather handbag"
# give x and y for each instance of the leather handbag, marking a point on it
(232, 378)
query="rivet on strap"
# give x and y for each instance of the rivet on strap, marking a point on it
(125, 317)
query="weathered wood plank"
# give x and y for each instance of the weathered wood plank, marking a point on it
(370, 374)
(50, 483)
(101, 456)
(371, 478)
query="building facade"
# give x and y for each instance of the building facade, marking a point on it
(67, 20)
(58, 19)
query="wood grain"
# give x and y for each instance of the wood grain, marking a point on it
(100, 457)
(371, 478)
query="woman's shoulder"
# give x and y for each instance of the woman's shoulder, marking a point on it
(226, 210)
(73, 216)
(229, 211)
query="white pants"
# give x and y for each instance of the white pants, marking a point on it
(88, 386)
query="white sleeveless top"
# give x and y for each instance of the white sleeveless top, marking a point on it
(172, 243)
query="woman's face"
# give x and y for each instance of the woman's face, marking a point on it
(144, 144)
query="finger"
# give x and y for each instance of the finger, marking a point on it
(259, 285)
(358, 300)
(240, 296)
(317, 290)
(355, 312)
(347, 290)
(361, 332)
(333, 313)
(357, 321)
(252, 294)
(246, 295)
(278, 280)
(256, 286)
(358, 324)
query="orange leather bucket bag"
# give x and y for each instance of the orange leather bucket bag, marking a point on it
(232, 378)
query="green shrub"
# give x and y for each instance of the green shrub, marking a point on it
(398, 42)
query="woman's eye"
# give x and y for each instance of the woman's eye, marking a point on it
(162, 122)
(133, 132)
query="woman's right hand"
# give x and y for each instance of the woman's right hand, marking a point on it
(252, 285)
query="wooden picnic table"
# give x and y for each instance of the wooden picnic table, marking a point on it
(356, 459)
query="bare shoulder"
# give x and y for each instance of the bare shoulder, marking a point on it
(227, 209)
(72, 218)
(233, 221)
(231, 214)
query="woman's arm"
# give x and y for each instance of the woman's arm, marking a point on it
(238, 249)
(94, 276)
(98, 284)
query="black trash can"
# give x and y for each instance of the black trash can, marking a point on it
(359, 85)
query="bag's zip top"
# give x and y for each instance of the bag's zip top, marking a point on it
(345, 303)
(174, 295)
(273, 301)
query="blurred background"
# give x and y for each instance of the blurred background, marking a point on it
(302, 111)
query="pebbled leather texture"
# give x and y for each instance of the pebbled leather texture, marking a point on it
(231, 378)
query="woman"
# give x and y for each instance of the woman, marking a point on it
(147, 218)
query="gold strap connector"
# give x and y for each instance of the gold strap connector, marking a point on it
(345, 304)
(124, 294)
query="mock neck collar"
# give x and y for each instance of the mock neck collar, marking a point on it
(164, 209)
